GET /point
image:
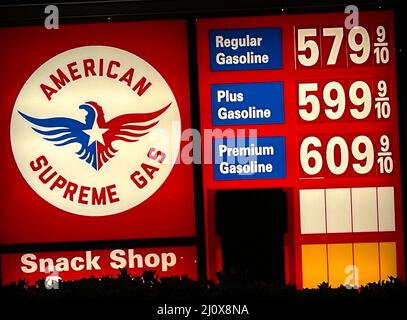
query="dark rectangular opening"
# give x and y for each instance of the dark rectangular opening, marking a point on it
(252, 224)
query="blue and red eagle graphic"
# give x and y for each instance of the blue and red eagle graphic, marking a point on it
(95, 135)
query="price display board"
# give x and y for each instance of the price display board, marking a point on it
(310, 103)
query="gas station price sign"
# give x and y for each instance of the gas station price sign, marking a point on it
(328, 93)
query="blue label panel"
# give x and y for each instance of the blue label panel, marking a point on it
(245, 49)
(247, 103)
(249, 158)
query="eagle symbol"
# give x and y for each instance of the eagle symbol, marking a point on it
(95, 136)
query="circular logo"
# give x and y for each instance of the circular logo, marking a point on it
(95, 130)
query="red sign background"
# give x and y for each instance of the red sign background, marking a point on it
(25, 216)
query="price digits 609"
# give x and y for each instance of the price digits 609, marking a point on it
(356, 155)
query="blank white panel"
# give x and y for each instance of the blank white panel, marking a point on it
(385, 199)
(338, 210)
(364, 209)
(312, 211)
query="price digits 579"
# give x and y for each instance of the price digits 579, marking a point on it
(337, 46)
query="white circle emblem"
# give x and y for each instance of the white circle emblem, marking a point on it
(95, 130)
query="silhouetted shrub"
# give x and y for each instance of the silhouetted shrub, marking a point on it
(148, 287)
